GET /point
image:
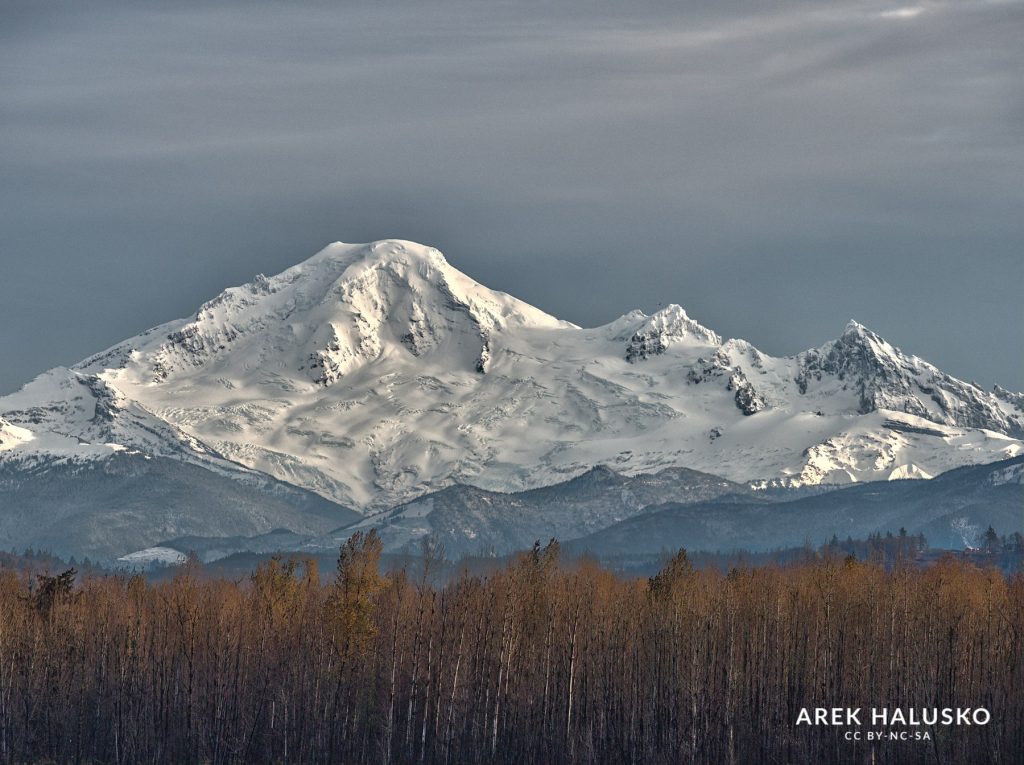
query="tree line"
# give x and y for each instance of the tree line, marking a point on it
(542, 661)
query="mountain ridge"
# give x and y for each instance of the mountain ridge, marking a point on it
(373, 374)
(609, 514)
(952, 511)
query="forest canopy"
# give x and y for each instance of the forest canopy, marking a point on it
(541, 661)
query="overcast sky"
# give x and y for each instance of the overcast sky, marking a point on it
(777, 168)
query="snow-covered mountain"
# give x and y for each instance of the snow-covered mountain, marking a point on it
(373, 374)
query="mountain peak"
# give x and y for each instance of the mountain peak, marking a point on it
(860, 358)
(882, 377)
(340, 262)
(858, 339)
(329, 315)
(859, 333)
(345, 254)
(371, 373)
(665, 328)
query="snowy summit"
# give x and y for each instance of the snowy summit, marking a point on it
(370, 374)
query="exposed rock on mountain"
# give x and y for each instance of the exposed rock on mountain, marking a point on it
(748, 400)
(885, 378)
(668, 327)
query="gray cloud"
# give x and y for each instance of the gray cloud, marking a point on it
(776, 168)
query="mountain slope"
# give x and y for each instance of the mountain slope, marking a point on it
(373, 374)
(952, 510)
(106, 508)
(468, 520)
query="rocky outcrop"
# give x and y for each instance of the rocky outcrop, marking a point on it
(748, 400)
(883, 377)
(1016, 400)
(662, 330)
